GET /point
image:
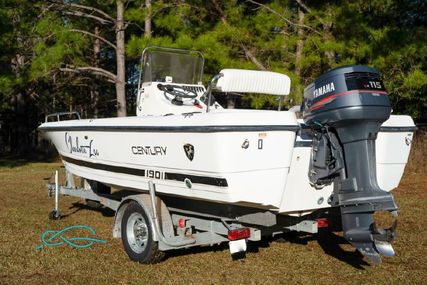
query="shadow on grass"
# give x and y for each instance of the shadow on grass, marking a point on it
(78, 206)
(331, 245)
(195, 250)
(252, 247)
(11, 161)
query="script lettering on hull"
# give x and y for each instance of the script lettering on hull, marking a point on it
(74, 146)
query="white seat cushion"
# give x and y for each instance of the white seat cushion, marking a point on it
(253, 81)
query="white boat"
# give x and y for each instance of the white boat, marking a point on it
(267, 161)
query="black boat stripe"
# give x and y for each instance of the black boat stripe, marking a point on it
(213, 181)
(200, 129)
(303, 143)
(382, 129)
(398, 129)
(221, 182)
(106, 167)
(176, 129)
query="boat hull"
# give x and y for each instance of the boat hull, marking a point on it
(201, 156)
(262, 163)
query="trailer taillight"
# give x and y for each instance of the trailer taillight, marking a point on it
(239, 234)
(322, 223)
(181, 223)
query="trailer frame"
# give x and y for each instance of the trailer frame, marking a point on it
(174, 226)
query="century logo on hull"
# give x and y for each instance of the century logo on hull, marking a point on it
(148, 150)
(329, 87)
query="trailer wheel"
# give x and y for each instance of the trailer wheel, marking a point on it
(137, 236)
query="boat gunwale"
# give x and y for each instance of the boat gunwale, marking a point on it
(175, 129)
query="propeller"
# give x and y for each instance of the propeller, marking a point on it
(371, 240)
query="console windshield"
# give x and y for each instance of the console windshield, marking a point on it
(180, 66)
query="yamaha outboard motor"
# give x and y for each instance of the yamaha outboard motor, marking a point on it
(345, 108)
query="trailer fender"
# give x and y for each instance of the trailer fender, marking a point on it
(145, 202)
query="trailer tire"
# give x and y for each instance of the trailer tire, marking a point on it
(137, 236)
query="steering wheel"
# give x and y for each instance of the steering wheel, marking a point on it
(178, 93)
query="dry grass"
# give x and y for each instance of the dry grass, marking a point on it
(418, 161)
(323, 259)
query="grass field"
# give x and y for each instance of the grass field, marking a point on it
(318, 259)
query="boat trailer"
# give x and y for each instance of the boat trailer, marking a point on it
(144, 219)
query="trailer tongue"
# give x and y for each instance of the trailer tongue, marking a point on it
(345, 108)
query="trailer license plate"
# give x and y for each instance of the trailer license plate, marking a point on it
(237, 246)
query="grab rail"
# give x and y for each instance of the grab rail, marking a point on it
(60, 114)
